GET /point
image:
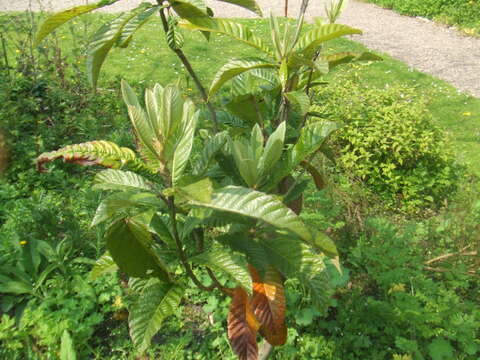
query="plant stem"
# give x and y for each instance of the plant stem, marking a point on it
(181, 253)
(265, 351)
(5, 55)
(286, 8)
(181, 55)
(198, 235)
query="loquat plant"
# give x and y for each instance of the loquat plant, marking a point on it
(189, 202)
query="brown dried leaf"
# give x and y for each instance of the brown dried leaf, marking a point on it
(242, 326)
(269, 305)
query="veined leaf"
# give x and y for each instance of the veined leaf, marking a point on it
(104, 265)
(247, 4)
(232, 29)
(242, 326)
(123, 204)
(309, 42)
(234, 68)
(104, 39)
(296, 259)
(159, 226)
(194, 11)
(273, 150)
(347, 57)
(131, 246)
(174, 36)
(269, 305)
(257, 205)
(15, 287)
(134, 25)
(253, 251)
(156, 302)
(103, 153)
(275, 33)
(210, 148)
(245, 162)
(67, 348)
(141, 121)
(184, 145)
(299, 100)
(121, 180)
(225, 261)
(199, 191)
(311, 139)
(60, 18)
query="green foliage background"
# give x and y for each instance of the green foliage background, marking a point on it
(465, 13)
(389, 304)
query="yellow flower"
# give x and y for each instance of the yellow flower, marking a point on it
(396, 288)
(467, 113)
(118, 302)
(17, 51)
(142, 51)
(23, 242)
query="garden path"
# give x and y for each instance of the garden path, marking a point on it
(422, 44)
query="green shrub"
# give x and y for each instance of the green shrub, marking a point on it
(390, 142)
(465, 13)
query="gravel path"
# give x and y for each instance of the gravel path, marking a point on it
(431, 48)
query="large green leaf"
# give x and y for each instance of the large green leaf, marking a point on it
(247, 4)
(141, 121)
(103, 153)
(60, 18)
(309, 42)
(67, 348)
(173, 36)
(125, 203)
(273, 150)
(132, 26)
(257, 205)
(184, 145)
(251, 248)
(335, 60)
(245, 162)
(104, 39)
(104, 265)
(15, 287)
(193, 11)
(296, 259)
(131, 246)
(225, 261)
(299, 100)
(236, 67)
(232, 29)
(311, 139)
(199, 191)
(156, 302)
(122, 180)
(210, 149)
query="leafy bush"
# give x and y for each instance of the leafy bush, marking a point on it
(460, 12)
(390, 142)
(397, 306)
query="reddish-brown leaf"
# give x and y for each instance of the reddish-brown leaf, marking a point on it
(268, 303)
(242, 326)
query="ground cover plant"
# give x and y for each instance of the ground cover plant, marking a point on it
(199, 331)
(463, 13)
